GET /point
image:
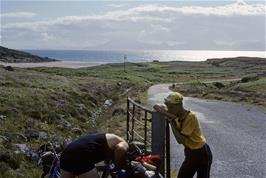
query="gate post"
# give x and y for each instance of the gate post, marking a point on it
(158, 138)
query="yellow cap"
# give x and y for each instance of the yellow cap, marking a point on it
(173, 98)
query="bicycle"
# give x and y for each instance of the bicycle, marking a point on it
(49, 160)
(138, 164)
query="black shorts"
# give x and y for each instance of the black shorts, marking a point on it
(81, 155)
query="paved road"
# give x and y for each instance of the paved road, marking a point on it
(236, 134)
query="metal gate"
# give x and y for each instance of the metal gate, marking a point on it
(149, 128)
(139, 124)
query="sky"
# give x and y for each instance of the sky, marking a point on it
(136, 25)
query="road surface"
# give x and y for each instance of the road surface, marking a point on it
(236, 134)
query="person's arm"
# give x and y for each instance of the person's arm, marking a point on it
(120, 152)
(163, 110)
(169, 116)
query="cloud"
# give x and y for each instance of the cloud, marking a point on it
(175, 43)
(116, 5)
(225, 43)
(18, 15)
(153, 25)
(47, 37)
(159, 28)
(151, 42)
(239, 8)
(149, 13)
(160, 42)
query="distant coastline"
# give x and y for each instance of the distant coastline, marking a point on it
(117, 56)
(89, 58)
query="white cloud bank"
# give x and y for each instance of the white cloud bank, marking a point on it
(153, 12)
(18, 15)
(152, 26)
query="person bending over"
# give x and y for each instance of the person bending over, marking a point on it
(80, 156)
(186, 128)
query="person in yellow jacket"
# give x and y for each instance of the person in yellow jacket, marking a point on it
(186, 128)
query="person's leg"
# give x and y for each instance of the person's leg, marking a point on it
(188, 168)
(204, 168)
(91, 174)
(66, 174)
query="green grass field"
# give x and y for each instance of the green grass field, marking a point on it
(67, 102)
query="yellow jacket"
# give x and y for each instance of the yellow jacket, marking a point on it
(189, 127)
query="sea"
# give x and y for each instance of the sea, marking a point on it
(118, 56)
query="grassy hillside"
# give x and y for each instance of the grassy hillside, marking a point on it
(52, 104)
(36, 107)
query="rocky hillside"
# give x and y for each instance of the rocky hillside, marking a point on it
(14, 56)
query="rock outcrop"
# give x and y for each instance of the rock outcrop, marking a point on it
(15, 56)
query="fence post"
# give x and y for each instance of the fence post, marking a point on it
(158, 138)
